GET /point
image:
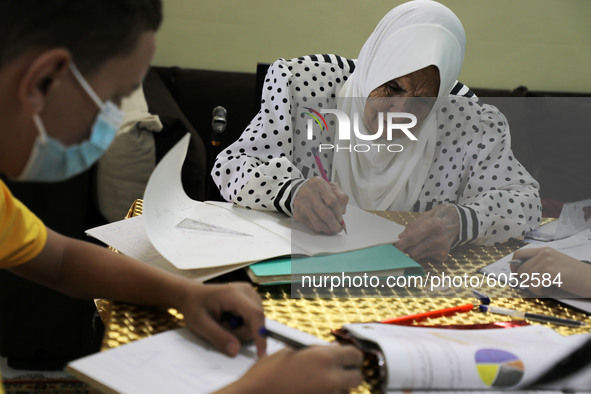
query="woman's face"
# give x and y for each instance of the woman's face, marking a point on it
(413, 93)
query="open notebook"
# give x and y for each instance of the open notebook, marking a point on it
(175, 361)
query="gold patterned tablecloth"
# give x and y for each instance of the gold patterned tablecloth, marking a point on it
(125, 323)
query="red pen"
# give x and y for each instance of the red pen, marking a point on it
(325, 177)
(407, 320)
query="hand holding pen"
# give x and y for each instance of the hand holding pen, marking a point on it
(298, 368)
(565, 273)
(325, 177)
(320, 205)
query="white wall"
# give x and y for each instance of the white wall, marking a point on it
(543, 44)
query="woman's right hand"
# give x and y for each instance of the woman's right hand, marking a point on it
(317, 369)
(320, 205)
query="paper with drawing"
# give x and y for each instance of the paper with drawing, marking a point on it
(192, 234)
(129, 237)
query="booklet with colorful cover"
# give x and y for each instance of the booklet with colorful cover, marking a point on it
(410, 358)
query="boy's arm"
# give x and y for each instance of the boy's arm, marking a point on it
(84, 270)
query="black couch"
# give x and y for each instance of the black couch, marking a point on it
(42, 329)
(549, 130)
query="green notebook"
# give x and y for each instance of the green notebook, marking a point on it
(381, 261)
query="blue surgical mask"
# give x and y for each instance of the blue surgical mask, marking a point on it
(51, 161)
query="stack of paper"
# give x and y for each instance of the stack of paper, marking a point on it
(188, 235)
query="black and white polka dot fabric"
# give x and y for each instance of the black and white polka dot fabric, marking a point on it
(473, 166)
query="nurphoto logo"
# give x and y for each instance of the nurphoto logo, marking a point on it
(388, 123)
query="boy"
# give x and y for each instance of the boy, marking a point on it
(64, 67)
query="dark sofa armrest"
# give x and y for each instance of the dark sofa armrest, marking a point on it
(175, 125)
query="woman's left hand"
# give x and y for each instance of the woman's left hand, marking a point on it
(432, 234)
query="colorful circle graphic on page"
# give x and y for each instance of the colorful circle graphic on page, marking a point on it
(498, 368)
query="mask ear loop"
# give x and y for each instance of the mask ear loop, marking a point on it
(40, 128)
(82, 81)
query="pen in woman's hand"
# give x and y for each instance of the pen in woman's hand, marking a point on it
(325, 177)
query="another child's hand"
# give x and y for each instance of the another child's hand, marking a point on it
(317, 369)
(575, 275)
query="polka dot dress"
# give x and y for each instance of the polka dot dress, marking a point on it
(473, 166)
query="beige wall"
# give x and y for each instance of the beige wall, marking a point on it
(543, 44)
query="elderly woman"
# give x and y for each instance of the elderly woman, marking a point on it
(455, 163)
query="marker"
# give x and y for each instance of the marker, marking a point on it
(288, 341)
(403, 320)
(325, 177)
(531, 316)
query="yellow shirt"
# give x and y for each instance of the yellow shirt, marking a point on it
(22, 234)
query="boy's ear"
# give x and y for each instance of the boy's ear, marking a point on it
(45, 73)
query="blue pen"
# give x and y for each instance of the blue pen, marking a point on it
(483, 298)
(233, 321)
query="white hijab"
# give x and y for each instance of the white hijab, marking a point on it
(410, 37)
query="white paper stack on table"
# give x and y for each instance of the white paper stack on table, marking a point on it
(205, 239)
(574, 218)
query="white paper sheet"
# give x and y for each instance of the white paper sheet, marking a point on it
(175, 361)
(574, 218)
(129, 237)
(166, 205)
(364, 229)
(192, 234)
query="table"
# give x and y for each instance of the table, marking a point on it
(125, 323)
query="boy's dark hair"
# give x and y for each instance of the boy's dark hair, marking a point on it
(92, 30)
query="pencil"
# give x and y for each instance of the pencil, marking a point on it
(425, 315)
